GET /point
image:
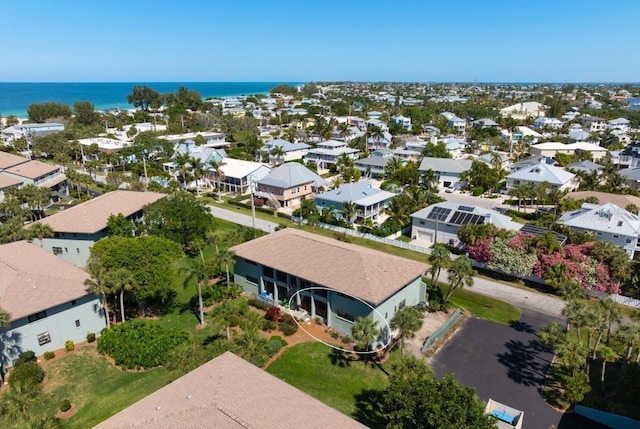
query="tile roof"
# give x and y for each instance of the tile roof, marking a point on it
(9, 160)
(91, 216)
(229, 393)
(605, 197)
(32, 279)
(32, 169)
(365, 273)
(7, 181)
(291, 174)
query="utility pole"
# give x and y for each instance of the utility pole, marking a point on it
(253, 207)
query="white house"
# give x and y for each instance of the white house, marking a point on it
(621, 124)
(326, 153)
(447, 170)
(403, 121)
(292, 151)
(550, 149)
(530, 109)
(551, 123)
(556, 177)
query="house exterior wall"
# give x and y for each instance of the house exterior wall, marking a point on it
(73, 248)
(446, 179)
(571, 185)
(425, 230)
(341, 310)
(59, 325)
(626, 242)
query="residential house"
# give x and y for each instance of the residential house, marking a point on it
(593, 124)
(440, 222)
(447, 171)
(549, 123)
(229, 393)
(370, 202)
(407, 155)
(524, 110)
(289, 184)
(403, 121)
(379, 142)
(629, 157)
(430, 130)
(457, 124)
(7, 183)
(292, 151)
(521, 132)
(47, 299)
(237, 174)
(76, 229)
(619, 200)
(577, 134)
(216, 140)
(14, 132)
(608, 222)
(550, 149)
(586, 167)
(326, 153)
(454, 146)
(556, 177)
(104, 144)
(41, 174)
(621, 124)
(375, 165)
(484, 123)
(334, 281)
(631, 177)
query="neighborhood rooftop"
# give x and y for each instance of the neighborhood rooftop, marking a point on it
(91, 216)
(32, 279)
(365, 273)
(291, 174)
(229, 393)
(32, 169)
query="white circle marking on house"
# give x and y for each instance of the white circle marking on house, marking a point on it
(333, 346)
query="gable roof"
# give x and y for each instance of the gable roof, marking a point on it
(360, 193)
(287, 146)
(9, 160)
(542, 172)
(32, 169)
(91, 216)
(228, 393)
(33, 280)
(7, 181)
(291, 174)
(605, 197)
(365, 273)
(606, 218)
(445, 164)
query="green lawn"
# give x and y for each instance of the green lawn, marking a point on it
(483, 306)
(309, 367)
(96, 388)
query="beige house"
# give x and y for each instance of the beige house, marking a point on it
(37, 173)
(529, 109)
(229, 393)
(289, 184)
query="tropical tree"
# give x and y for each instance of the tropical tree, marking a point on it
(574, 313)
(119, 281)
(225, 258)
(97, 284)
(606, 354)
(200, 272)
(182, 161)
(278, 153)
(349, 210)
(407, 322)
(337, 182)
(40, 231)
(429, 180)
(197, 166)
(18, 402)
(460, 274)
(5, 319)
(439, 259)
(364, 331)
(216, 166)
(612, 313)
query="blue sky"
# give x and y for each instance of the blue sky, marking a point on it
(326, 40)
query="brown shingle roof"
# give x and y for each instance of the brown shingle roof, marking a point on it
(32, 279)
(7, 181)
(32, 169)
(91, 216)
(605, 197)
(9, 160)
(229, 393)
(368, 274)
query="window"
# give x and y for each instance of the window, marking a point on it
(628, 240)
(253, 280)
(282, 277)
(616, 236)
(44, 338)
(66, 250)
(320, 292)
(37, 316)
(402, 304)
(77, 323)
(250, 262)
(345, 315)
(267, 271)
(421, 222)
(57, 250)
(78, 250)
(74, 302)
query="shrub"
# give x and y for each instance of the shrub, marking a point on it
(347, 339)
(233, 320)
(274, 347)
(24, 357)
(69, 345)
(64, 405)
(282, 341)
(334, 334)
(268, 325)
(343, 236)
(140, 343)
(91, 337)
(26, 373)
(274, 313)
(288, 329)
(477, 191)
(258, 304)
(48, 355)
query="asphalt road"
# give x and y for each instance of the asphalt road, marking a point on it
(507, 364)
(243, 219)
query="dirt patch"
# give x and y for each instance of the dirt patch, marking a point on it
(67, 414)
(431, 323)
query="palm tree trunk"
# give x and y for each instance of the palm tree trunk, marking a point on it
(122, 305)
(604, 365)
(228, 280)
(106, 309)
(219, 196)
(595, 347)
(200, 303)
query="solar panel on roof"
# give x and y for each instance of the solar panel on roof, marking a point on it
(537, 231)
(463, 218)
(438, 213)
(465, 208)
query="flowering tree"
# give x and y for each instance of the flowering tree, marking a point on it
(510, 259)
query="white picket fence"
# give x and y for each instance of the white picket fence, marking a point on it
(620, 299)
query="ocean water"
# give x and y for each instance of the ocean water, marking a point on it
(16, 97)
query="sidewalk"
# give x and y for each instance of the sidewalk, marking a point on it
(242, 219)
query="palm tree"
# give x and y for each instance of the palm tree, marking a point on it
(225, 258)
(439, 259)
(216, 165)
(429, 180)
(197, 166)
(518, 192)
(398, 210)
(376, 134)
(460, 274)
(119, 281)
(612, 314)
(393, 166)
(349, 210)
(18, 401)
(5, 319)
(337, 182)
(199, 271)
(343, 161)
(40, 231)
(278, 153)
(364, 332)
(407, 321)
(574, 313)
(182, 160)
(607, 354)
(629, 334)
(98, 285)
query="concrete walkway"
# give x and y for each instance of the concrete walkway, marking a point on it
(521, 298)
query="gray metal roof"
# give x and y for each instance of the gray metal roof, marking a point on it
(291, 174)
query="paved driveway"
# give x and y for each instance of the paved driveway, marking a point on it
(505, 363)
